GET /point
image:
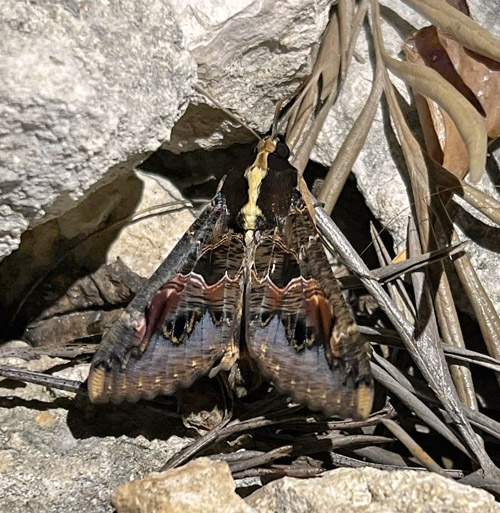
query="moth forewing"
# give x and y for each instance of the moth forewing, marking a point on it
(179, 326)
(253, 254)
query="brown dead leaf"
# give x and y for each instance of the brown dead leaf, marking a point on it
(200, 406)
(482, 76)
(89, 306)
(442, 139)
(476, 77)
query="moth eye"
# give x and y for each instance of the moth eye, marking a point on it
(282, 150)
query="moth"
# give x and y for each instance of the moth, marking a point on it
(250, 277)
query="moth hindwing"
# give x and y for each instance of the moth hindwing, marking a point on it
(253, 257)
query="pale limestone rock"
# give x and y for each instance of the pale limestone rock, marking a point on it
(368, 490)
(143, 245)
(87, 89)
(249, 54)
(201, 486)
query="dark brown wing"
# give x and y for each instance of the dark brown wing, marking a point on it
(299, 329)
(183, 323)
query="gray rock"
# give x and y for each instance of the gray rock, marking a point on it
(249, 55)
(143, 245)
(87, 89)
(370, 490)
(43, 467)
(58, 456)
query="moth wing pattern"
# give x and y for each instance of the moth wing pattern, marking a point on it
(184, 321)
(299, 329)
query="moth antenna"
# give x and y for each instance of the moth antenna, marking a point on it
(226, 111)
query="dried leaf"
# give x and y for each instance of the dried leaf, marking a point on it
(482, 76)
(477, 78)
(442, 138)
(469, 122)
(89, 306)
(456, 24)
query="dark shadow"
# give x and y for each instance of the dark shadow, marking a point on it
(152, 420)
(54, 255)
(197, 173)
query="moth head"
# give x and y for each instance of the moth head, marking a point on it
(275, 145)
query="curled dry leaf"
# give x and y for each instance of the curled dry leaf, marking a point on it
(87, 307)
(476, 77)
(455, 23)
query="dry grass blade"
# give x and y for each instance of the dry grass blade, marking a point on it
(339, 460)
(411, 149)
(483, 422)
(451, 333)
(357, 23)
(421, 188)
(408, 398)
(312, 107)
(426, 323)
(429, 359)
(397, 288)
(474, 357)
(345, 10)
(39, 378)
(261, 459)
(414, 263)
(413, 447)
(483, 202)
(484, 310)
(418, 388)
(453, 23)
(449, 324)
(351, 147)
(390, 338)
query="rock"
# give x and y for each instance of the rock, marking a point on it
(44, 467)
(370, 490)
(87, 308)
(76, 244)
(143, 245)
(202, 486)
(61, 454)
(88, 88)
(245, 65)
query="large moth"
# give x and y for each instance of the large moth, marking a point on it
(250, 276)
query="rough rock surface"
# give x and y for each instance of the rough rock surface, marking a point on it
(246, 66)
(87, 89)
(205, 486)
(369, 490)
(57, 454)
(143, 245)
(201, 486)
